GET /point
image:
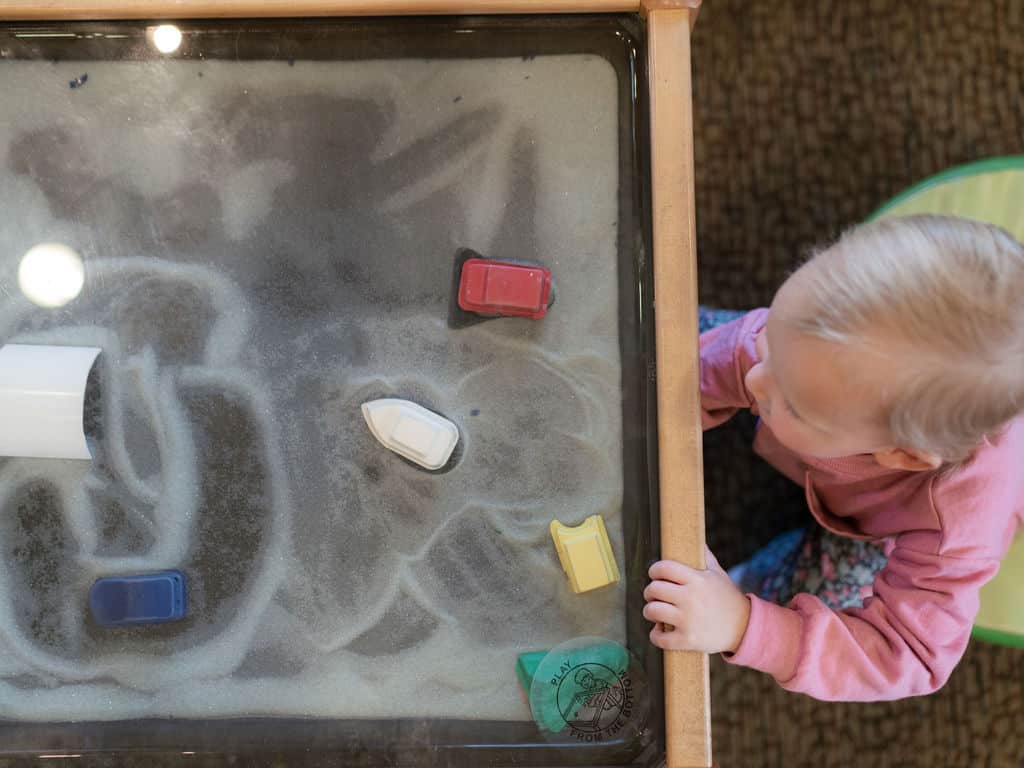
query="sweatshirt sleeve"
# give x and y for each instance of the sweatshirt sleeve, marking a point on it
(726, 354)
(905, 641)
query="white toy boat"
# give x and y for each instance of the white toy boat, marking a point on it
(410, 430)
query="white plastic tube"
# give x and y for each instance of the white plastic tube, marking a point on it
(42, 401)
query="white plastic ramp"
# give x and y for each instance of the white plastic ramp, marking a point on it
(42, 400)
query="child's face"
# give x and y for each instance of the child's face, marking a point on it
(820, 398)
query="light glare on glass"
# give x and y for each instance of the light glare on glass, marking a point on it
(50, 275)
(167, 38)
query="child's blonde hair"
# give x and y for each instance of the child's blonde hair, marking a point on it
(950, 290)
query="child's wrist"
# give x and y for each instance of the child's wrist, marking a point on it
(742, 620)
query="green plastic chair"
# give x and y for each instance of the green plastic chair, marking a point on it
(991, 191)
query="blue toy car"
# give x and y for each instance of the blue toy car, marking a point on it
(151, 598)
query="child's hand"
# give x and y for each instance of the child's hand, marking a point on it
(695, 610)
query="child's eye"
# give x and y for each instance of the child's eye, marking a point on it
(792, 412)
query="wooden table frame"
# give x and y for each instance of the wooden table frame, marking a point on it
(669, 22)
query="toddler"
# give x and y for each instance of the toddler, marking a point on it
(888, 377)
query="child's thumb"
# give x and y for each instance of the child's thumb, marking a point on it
(712, 560)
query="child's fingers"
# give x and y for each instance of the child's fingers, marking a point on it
(665, 591)
(658, 636)
(670, 570)
(661, 612)
(661, 638)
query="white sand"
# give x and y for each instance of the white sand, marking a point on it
(266, 247)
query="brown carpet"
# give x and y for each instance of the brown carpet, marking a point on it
(807, 117)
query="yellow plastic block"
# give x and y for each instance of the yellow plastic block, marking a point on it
(585, 554)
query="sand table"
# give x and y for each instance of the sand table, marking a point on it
(266, 247)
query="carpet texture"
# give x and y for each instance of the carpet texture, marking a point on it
(808, 116)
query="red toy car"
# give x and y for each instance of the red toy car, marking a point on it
(504, 288)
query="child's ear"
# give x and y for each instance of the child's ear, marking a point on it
(908, 459)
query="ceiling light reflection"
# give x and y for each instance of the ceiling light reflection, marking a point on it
(50, 275)
(167, 38)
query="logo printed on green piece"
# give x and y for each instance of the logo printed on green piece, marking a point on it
(594, 700)
(585, 690)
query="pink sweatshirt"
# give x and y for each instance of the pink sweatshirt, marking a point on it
(944, 533)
